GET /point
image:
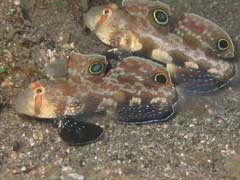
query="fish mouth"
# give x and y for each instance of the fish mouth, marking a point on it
(92, 17)
(230, 55)
(24, 102)
(31, 118)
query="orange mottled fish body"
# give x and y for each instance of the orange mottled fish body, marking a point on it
(190, 45)
(135, 91)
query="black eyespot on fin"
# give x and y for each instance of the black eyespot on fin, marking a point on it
(75, 132)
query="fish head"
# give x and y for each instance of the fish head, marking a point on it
(199, 32)
(110, 24)
(98, 16)
(43, 99)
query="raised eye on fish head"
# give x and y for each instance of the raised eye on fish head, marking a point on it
(96, 68)
(39, 91)
(96, 16)
(107, 11)
(222, 44)
(160, 17)
(160, 78)
(38, 100)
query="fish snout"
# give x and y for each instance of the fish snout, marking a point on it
(24, 102)
(92, 17)
(230, 54)
(34, 102)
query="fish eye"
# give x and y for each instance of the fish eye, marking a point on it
(160, 16)
(160, 78)
(96, 68)
(106, 11)
(39, 91)
(222, 44)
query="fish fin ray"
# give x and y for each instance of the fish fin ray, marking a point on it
(144, 114)
(198, 81)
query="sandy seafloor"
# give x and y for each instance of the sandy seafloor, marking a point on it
(201, 142)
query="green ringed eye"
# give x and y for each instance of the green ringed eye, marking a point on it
(96, 68)
(160, 16)
(222, 44)
(160, 78)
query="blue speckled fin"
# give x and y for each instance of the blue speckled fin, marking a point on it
(144, 114)
(197, 81)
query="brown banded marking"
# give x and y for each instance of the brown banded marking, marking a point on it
(39, 91)
(106, 13)
(194, 37)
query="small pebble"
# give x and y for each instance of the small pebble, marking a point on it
(38, 135)
(211, 111)
(17, 2)
(23, 168)
(191, 125)
(13, 156)
(76, 176)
